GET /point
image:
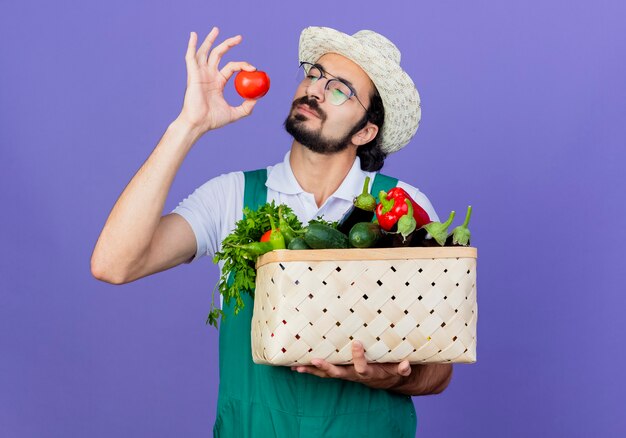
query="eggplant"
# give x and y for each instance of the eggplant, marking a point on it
(460, 236)
(362, 210)
(439, 230)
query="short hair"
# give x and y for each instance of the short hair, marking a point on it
(371, 155)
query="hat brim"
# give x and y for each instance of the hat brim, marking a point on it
(397, 91)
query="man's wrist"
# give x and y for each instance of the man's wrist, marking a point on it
(182, 127)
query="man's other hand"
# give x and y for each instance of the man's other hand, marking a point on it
(374, 375)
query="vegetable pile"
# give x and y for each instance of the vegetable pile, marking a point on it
(396, 221)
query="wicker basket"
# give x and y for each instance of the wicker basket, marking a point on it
(401, 303)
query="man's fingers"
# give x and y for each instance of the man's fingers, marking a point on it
(310, 370)
(245, 109)
(338, 372)
(203, 51)
(232, 67)
(404, 368)
(216, 54)
(358, 359)
(191, 46)
(190, 56)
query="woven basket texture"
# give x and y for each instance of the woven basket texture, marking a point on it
(401, 303)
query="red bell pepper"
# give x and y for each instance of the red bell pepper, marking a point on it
(392, 207)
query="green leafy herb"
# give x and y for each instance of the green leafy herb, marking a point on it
(239, 260)
(321, 220)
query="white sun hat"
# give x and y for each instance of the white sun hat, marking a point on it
(380, 59)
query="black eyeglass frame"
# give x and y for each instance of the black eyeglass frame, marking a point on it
(323, 74)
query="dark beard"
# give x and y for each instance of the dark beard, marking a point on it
(313, 140)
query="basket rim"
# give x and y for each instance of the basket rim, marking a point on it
(292, 255)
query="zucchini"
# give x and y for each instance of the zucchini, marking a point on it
(365, 235)
(320, 236)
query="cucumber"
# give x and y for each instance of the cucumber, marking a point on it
(298, 243)
(365, 235)
(320, 236)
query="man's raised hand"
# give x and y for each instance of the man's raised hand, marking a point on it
(204, 106)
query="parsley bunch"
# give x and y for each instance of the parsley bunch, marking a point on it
(247, 230)
(321, 220)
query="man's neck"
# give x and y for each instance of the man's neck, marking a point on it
(320, 174)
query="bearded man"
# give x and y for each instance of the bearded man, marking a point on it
(353, 107)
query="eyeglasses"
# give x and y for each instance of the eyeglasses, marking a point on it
(336, 90)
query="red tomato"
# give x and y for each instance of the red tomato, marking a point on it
(266, 236)
(252, 84)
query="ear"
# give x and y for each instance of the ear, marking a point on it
(365, 135)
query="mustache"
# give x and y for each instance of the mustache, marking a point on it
(312, 104)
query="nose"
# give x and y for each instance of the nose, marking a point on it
(316, 90)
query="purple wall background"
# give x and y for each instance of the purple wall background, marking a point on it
(523, 109)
